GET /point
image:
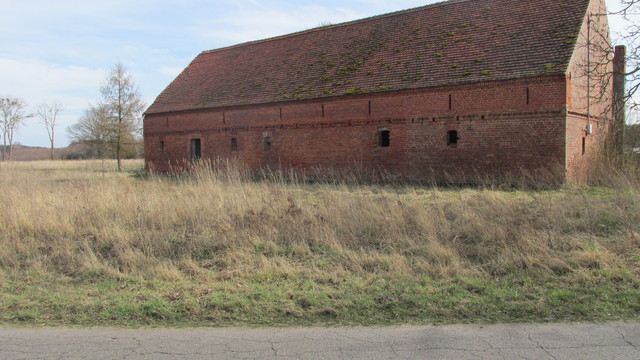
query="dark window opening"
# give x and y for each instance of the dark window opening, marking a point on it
(584, 146)
(267, 143)
(234, 144)
(450, 102)
(161, 146)
(196, 149)
(528, 96)
(384, 138)
(322, 110)
(482, 117)
(369, 107)
(452, 137)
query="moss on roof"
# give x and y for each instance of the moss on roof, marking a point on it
(453, 42)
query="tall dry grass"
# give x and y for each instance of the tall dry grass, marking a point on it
(80, 220)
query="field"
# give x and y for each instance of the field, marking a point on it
(81, 244)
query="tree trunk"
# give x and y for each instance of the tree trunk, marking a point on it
(119, 137)
(52, 136)
(4, 145)
(10, 146)
(118, 140)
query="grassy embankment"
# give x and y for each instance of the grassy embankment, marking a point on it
(83, 246)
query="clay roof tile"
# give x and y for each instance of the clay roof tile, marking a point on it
(453, 42)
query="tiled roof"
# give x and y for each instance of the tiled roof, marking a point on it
(454, 42)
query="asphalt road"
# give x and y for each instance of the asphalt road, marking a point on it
(565, 341)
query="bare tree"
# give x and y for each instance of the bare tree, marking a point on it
(618, 68)
(632, 138)
(13, 114)
(631, 39)
(124, 104)
(48, 114)
(95, 129)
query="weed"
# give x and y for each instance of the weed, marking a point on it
(81, 244)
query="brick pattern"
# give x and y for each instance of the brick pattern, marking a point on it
(580, 158)
(498, 131)
(600, 68)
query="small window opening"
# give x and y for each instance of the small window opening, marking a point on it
(267, 143)
(482, 117)
(528, 96)
(450, 102)
(322, 110)
(369, 107)
(161, 146)
(234, 144)
(384, 138)
(584, 146)
(452, 137)
(196, 149)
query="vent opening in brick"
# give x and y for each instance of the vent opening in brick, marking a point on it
(452, 137)
(267, 143)
(234, 144)
(161, 146)
(584, 146)
(384, 138)
(196, 149)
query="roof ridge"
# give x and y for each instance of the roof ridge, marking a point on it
(343, 24)
(445, 43)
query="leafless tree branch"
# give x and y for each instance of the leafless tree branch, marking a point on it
(13, 115)
(48, 114)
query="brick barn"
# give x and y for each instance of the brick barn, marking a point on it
(455, 89)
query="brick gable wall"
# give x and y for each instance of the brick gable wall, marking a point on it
(581, 157)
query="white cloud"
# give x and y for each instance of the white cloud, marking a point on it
(170, 72)
(38, 82)
(255, 23)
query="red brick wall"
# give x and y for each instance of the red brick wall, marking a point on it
(581, 160)
(501, 126)
(594, 70)
(597, 66)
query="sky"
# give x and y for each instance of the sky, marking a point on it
(62, 50)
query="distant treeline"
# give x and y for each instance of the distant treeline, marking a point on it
(75, 151)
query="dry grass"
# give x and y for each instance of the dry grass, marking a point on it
(80, 223)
